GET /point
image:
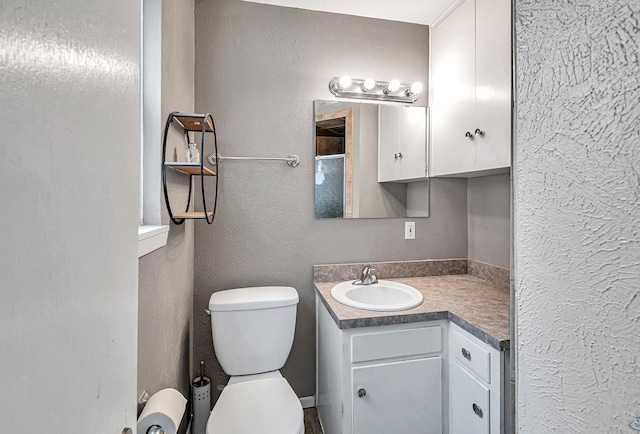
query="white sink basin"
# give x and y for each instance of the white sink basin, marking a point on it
(386, 296)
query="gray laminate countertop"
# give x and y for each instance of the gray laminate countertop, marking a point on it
(476, 305)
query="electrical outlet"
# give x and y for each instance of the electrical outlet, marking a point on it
(409, 230)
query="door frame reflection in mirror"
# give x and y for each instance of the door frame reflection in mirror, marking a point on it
(347, 114)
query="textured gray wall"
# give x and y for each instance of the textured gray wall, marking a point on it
(258, 70)
(577, 202)
(489, 204)
(165, 289)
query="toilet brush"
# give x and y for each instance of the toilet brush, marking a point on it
(201, 394)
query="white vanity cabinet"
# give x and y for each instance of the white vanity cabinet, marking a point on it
(477, 385)
(385, 379)
(471, 90)
(402, 143)
(428, 377)
(396, 397)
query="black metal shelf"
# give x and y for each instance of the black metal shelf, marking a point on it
(204, 124)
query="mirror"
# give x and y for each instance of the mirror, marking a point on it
(346, 167)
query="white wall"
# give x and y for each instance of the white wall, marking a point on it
(577, 208)
(69, 191)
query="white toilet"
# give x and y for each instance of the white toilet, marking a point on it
(252, 332)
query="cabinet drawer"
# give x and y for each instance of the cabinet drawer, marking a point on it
(471, 355)
(470, 401)
(398, 343)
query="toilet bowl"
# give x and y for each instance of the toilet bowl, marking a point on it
(252, 330)
(260, 405)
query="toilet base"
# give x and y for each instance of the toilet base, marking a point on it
(263, 403)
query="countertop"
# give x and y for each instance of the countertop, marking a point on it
(476, 305)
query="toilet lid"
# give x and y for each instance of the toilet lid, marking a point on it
(267, 406)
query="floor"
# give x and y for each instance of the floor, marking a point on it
(311, 421)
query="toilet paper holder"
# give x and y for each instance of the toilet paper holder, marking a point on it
(152, 430)
(163, 413)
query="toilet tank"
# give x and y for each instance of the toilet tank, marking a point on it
(253, 328)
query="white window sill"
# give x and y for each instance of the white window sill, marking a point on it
(151, 238)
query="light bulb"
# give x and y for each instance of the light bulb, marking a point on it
(368, 84)
(344, 82)
(393, 86)
(416, 88)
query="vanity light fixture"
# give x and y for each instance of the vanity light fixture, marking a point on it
(393, 86)
(347, 87)
(344, 82)
(368, 84)
(415, 89)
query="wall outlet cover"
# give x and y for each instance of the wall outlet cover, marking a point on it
(409, 230)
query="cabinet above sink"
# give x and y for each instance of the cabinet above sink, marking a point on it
(471, 85)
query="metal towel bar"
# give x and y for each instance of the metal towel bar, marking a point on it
(292, 160)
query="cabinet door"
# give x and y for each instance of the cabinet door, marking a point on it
(388, 143)
(493, 84)
(469, 403)
(413, 144)
(453, 104)
(401, 397)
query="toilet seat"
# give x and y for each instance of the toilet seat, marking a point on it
(266, 406)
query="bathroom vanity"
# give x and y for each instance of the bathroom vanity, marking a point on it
(441, 367)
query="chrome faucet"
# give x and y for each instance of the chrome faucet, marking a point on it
(367, 277)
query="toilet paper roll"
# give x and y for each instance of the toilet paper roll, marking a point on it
(164, 409)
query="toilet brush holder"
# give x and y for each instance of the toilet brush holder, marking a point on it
(201, 398)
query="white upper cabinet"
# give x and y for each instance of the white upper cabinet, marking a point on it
(471, 90)
(402, 145)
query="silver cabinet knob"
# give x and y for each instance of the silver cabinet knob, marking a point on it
(468, 135)
(477, 410)
(400, 155)
(395, 156)
(479, 132)
(127, 430)
(466, 354)
(362, 393)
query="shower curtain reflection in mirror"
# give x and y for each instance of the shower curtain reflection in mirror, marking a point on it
(329, 181)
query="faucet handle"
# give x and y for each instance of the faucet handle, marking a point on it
(366, 277)
(366, 271)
